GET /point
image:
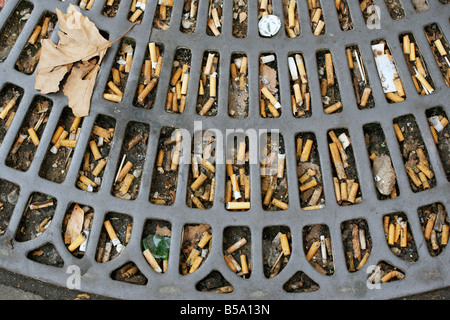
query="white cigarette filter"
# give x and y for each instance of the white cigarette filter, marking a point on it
(293, 68)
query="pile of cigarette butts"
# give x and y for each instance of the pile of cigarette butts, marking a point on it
(176, 95)
(119, 73)
(151, 70)
(237, 192)
(94, 162)
(346, 190)
(243, 269)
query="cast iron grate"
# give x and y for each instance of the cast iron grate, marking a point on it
(421, 273)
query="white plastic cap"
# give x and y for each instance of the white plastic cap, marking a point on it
(269, 25)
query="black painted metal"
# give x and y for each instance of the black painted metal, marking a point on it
(426, 274)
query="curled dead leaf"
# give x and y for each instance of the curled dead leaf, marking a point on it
(78, 54)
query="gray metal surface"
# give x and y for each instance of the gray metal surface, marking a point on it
(426, 274)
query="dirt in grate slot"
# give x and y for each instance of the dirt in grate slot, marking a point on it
(237, 250)
(395, 9)
(132, 158)
(24, 148)
(110, 8)
(435, 226)
(76, 228)
(414, 153)
(318, 249)
(9, 195)
(440, 48)
(438, 121)
(156, 241)
(238, 87)
(309, 173)
(114, 236)
(195, 247)
(165, 173)
(214, 283)
(59, 154)
(240, 18)
(37, 216)
(277, 245)
(357, 243)
(129, 273)
(383, 172)
(10, 97)
(96, 155)
(13, 28)
(399, 237)
(29, 57)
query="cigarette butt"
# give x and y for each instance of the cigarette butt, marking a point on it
(215, 16)
(422, 167)
(237, 245)
(99, 167)
(312, 250)
(297, 94)
(365, 96)
(398, 132)
(110, 230)
(399, 86)
(316, 15)
(306, 150)
(207, 165)
(244, 264)
(412, 175)
(33, 136)
(94, 149)
(68, 143)
(268, 195)
(285, 244)
(114, 88)
(176, 76)
(213, 85)
(8, 107)
(76, 243)
(434, 134)
(301, 68)
(148, 88)
(445, 234)
(151, 260)
(311, 184)
(209, 64)
(424, 82)
(337, 161)
(329, 69)
(266, 92)
(308, 174)
(394, 97)
(280, 204)
(333, 108)
(44, 28)
(204, 240)
(440, 47)
(421, 155)
(406, 44)
(136, 15)
(126, 183)
(185, 80)
(273, 110)
(319, 27)
(199, 181)
(35, 34)
(213, 27)
(238, 205)
(198, 260)
(20, 139)
(207, 106)
(412, 52)
(112, 97)
(349, 58)
(353, 192)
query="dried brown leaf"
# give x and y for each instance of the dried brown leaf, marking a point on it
(79, 40)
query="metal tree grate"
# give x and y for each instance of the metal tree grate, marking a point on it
(424, 274)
